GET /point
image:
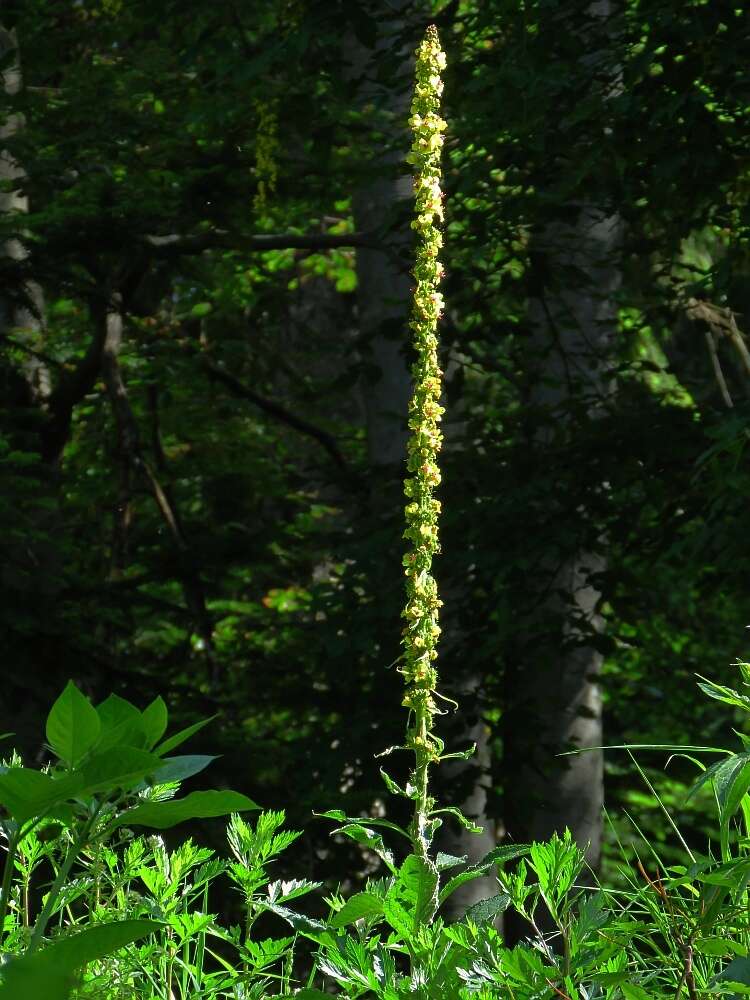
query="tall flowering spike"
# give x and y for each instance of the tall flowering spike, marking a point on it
(421, 631)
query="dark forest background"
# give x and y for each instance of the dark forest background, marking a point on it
(204, 289)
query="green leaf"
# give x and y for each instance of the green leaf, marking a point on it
(445, 861)
(398, 917)
(197, 805)
(738, 971)
(121, 724)
(370, 839)
(362, 904)
(154, 719)
(73, 725)
(180, 768)
(341, 817)
(487, 909)
(716, 946)
(633, 992)
(465, 822)
(118, 767)
(496, 856)
(309, 928)
(499, 855)
(49, 973)
(182, 736)
(418, 881)
(393, 787)
(26, 793)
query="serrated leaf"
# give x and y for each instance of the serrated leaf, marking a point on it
(341, 817)
(370, 839)
(363, 904)
(398, 917)
(497, 856)
(465, 822)
(418, 881)
(393, 787)
(445, 861)
(487, 909)
(73, 725)
(313, 929)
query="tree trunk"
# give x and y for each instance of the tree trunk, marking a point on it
(553, 701)
(382, 206)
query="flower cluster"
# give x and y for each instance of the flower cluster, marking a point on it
(421, 613)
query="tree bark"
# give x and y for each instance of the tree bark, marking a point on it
(552, 695)
(382, 207)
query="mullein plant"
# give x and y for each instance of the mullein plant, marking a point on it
(422, 630)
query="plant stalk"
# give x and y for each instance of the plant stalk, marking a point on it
(421, 632)
(14, 838)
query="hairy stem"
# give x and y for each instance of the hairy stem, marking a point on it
(421, 612)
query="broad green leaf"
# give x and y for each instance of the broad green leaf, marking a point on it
(48, 973)
(73, 725)
(717, 946)
(197, 805)
(362, 904)
(633, 992)
(26, 793)
(738, 971)
(184, 734)
(180, 768)
(154, 719)
(310, 993)
(118, 767)
(487, 909)
(121, 724)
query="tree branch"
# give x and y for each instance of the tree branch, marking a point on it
(272, 408)
(175, 245)
(108, 321)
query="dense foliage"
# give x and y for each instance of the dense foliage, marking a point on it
(188, 504)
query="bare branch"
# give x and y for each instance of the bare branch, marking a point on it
(175, 245)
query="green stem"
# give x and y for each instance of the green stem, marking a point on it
(13, 841)
(60, 879)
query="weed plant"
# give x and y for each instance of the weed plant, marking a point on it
(93, 907)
